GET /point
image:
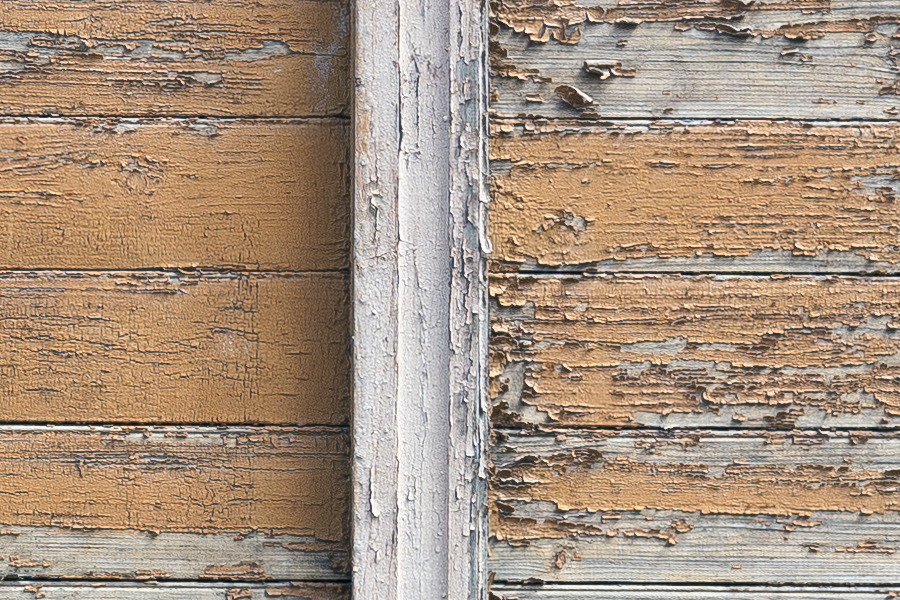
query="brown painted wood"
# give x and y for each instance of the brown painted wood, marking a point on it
(174, 348)
(193, 57)
(676, 350)
(291, 481)
(657, 430)
(731, 196)
(692, 506)
(161, 263)
(222, 194)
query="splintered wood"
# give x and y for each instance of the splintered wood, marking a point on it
(695, 327)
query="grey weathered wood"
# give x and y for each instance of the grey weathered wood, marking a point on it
(702, 73)
(719, 548)
(79, 503)
(681, 592)
(761, 507)
(60, 553)
(419, 300)
(695, 507)
(11, 590)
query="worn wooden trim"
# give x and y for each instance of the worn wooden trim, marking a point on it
(420, 300)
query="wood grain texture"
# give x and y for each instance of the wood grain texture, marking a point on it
(174, 348)
(173, 591)
(698, 59)
(126, 194)
(802, 507)
(191, 57)
(88, 554)
(668, 350)
(290, 481)
(420, 422)
(722, 196)
(668, 429)
(680, 592)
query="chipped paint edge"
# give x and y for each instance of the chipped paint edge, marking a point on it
(419, 269)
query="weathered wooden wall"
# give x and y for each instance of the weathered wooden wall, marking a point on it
(174, 353)
(696, 309)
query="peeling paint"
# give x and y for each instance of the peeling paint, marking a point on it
(268, 58)
(815, 193)
(619, 350)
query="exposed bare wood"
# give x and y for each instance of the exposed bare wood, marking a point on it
(116, 194)
(674, 350)
(606, 158)
(696, 507)
(192, 57)
(747, 196)
(699, 59)
(419, 422)
(143, 232)
(174, 348)
(115, 555)
(565, 20)
(173, 503)
(681, 592)
(172, 591)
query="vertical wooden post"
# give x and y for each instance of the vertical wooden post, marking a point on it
(420, 300)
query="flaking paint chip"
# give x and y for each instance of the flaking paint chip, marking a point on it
(574, 97)
(607, 68)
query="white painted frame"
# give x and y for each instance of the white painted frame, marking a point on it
(420, 300)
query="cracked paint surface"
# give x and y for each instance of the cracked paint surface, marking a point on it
(694, 298)
(270, 58)
(176, 193)
(616, 194)
(704, 350)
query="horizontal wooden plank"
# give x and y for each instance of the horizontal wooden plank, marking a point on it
(176, 591)
(192, 57)
(667, 350)
(240, 480)
(565, 21)
(173, 503)
(169, 347)
(727, 506)
(124, 194)
(680, 592)
(700, 59)
(48, 553)
(727, 196)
